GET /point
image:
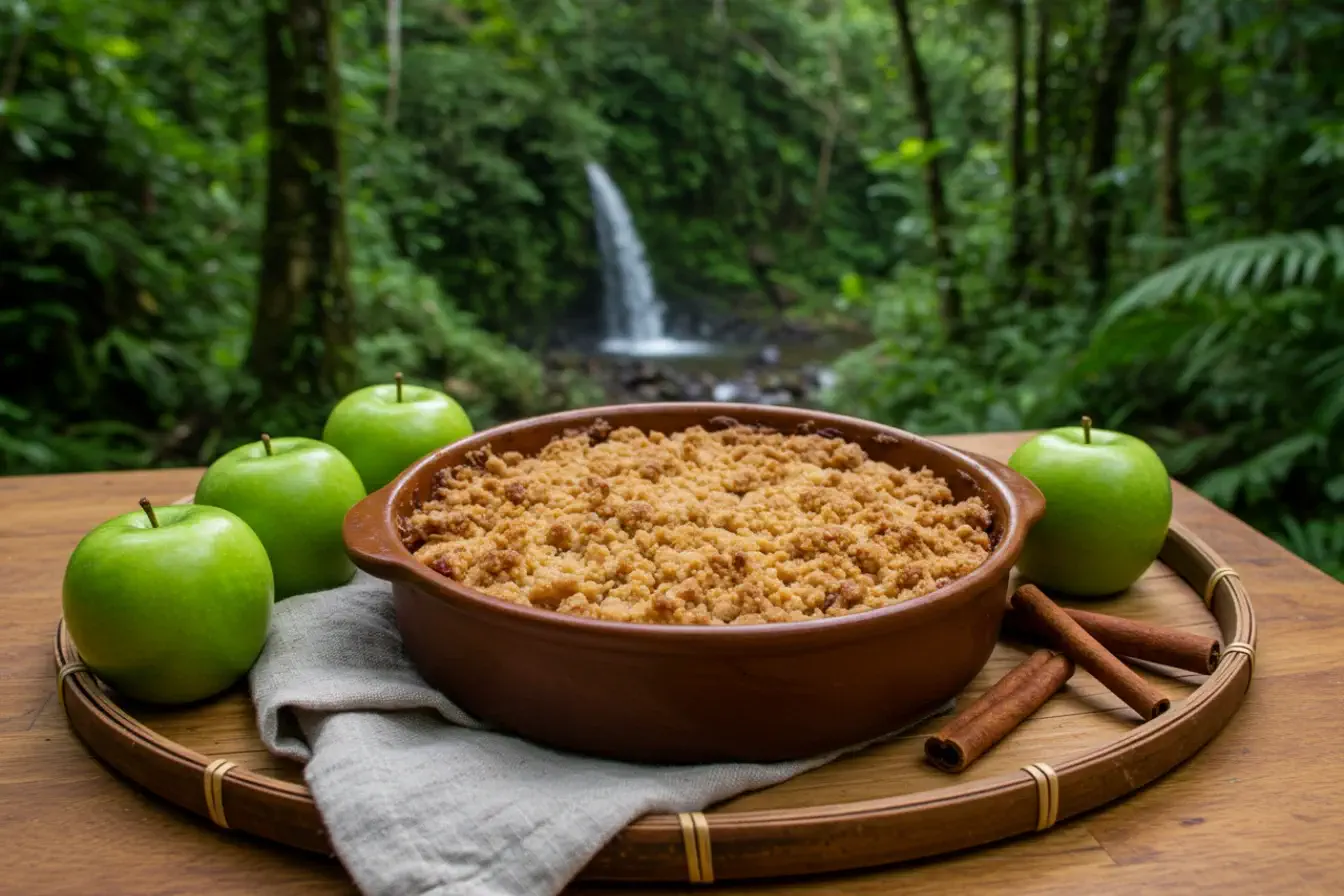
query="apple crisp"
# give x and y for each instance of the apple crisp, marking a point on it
(736, 526)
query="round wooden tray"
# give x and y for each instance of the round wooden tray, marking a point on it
(877, 807)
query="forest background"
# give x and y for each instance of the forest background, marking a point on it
(221, 216)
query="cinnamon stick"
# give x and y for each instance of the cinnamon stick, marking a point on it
(1073, 641)
(998, 711)
(1136, 640)
(999, 690)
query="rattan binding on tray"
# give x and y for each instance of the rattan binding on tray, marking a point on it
(1244, 649)
(214, 790)
(1047, 794)
(1222, 572)
(65, 671)
(695, 840)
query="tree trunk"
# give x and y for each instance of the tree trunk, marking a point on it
(1071, 97)
(1043, 146)
(1173, 119)
(761, 259)
(303, 340)
(826, 156)
(1020, 251)
(393, 62)
(9, 80)
(939, 217)
(1215, 103)
(823, 182)
(1119, 36)
(1268, 198)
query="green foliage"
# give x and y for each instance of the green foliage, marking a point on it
(482, 180)
(915, 377)
(133, 141)
(408, 324)
(1240, 389)
(1319, 540)
(1223, 346)
(1246, 337)
(129, 238)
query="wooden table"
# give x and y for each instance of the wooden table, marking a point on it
(1255, 811)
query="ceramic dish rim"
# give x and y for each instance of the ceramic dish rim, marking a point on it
(382, 553)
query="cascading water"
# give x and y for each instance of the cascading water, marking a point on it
(632, 312)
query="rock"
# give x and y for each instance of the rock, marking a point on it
(770, 355)
(672, 389)
(748, 389)
(701, 387)
(639, 374)
(797, 382)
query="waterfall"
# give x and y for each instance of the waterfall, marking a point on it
(632, 312)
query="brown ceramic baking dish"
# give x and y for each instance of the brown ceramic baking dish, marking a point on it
(683, 693)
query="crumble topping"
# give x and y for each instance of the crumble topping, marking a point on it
(731, 527)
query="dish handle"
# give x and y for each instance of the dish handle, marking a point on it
(371, 538)
(1024, 490)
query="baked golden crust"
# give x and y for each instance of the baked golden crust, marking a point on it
(735, 526)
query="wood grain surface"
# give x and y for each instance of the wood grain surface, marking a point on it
(1251, 810)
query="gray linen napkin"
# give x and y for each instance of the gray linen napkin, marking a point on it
(418, 797)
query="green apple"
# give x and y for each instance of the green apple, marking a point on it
(1107, 509)
(294, 493)
(169, 606)
(384, 429)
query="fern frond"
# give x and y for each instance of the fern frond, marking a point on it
(1334, 238)
(1327, 367)
(1331, 412)
(1319, 541)
(1300, 258)
(1259, 475)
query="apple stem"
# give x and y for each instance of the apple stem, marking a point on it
(266, 443)
(148, 508)
(1087, 430)
(398, 378)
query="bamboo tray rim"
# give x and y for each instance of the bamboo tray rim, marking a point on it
(677, 847)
